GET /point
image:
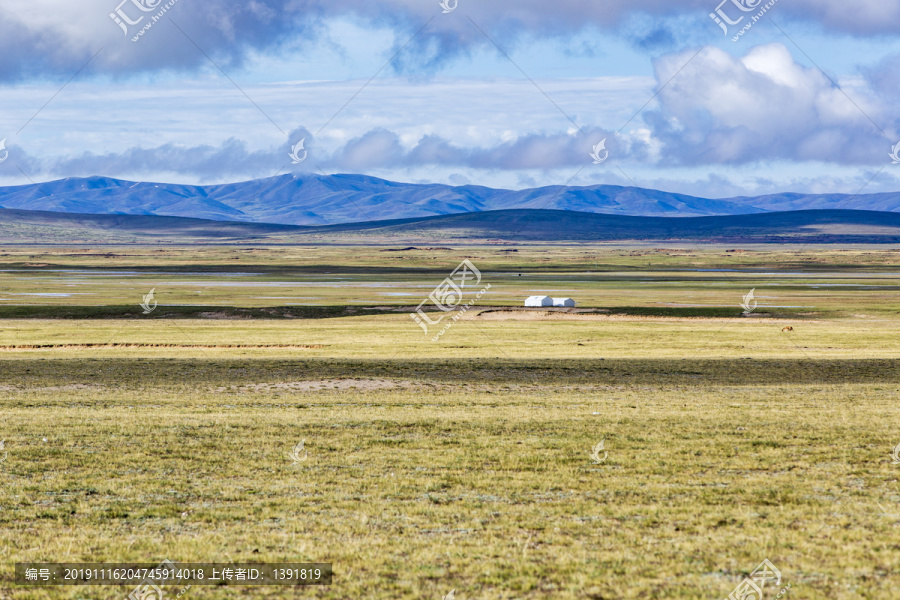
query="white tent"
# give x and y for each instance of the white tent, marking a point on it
(564, 302)
(539, 301)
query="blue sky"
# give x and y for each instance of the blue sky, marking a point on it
(504, 94)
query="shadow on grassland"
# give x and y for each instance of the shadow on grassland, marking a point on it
(144, 372)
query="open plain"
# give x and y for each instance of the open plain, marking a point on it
(471, 463)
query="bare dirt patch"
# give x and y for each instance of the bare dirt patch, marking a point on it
(321, 385)
(548, 315)
(74, 387)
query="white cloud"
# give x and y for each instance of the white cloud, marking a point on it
(763, 106)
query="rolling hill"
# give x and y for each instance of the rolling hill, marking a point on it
(520, 226)
(337, 199)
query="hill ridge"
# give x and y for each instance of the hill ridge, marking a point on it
(504, 226)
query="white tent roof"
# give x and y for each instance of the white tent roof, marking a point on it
(539, 301)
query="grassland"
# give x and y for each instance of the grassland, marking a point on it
(788, 282)
(463, 463)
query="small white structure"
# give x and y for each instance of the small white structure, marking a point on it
(533, 301)
(564, 302)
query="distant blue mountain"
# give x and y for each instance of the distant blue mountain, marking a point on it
(334, 199)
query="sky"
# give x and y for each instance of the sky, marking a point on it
(738, 98)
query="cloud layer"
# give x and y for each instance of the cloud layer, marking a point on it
(711, 109)
(715, 109)
(375, 149)
(56, 37)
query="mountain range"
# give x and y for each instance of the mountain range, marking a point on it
(339, 199)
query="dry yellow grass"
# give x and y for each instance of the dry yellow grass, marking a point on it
(398, 336)
(464, 463)
(472, 476)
